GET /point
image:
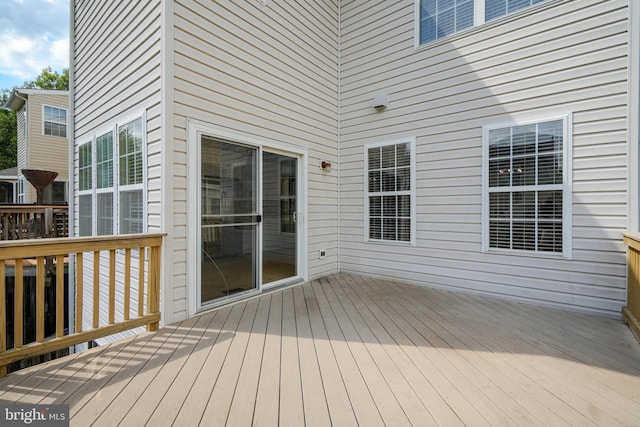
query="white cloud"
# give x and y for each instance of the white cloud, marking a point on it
(34, 35)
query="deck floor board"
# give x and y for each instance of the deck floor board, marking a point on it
(349, 350)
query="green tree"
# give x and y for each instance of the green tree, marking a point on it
(8, 139)
(49, 79)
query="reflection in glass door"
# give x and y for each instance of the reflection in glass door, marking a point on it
(279, 229)
(229, 219)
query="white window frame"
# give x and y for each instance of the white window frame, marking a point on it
(116, 189)
(66, 127)
(479, 8)
(566, 187)
(412, 192)
(90, 190)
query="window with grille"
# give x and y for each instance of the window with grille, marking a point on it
(390, 185)
(440, 18)
(111, 181)
(526, 187)
(55, 121)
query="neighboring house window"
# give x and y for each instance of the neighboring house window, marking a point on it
(55, 121)
(22, 196)
(85, 189)
(389, 202)
(288, 195)
(115, 161)
(55, 193)
(440, 18)
(527, 196)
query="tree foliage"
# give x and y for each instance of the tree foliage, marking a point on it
(47, 79)
(8, 139)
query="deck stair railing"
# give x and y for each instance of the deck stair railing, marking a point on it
(631, 312)
(136, 253)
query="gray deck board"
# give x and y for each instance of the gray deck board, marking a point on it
(348, 350)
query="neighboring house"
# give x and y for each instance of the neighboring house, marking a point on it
(43, 141)
(8, 185)
(460, 145)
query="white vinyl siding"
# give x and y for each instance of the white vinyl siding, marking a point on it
(54, 121)
(561, 56)
(267, 73)
(527, 199)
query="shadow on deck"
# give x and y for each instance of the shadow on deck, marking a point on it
(349, 350)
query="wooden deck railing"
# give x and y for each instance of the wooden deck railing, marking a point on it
(19, 222)
(19, 255)
(631, 312)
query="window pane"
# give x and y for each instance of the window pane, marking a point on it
(404, 229)
(389, 180)
(404, 206)
(389, 206)
(524, 140)
(500, 234)
(550, 236)
(374, 158)
(439, 18)
(105, 213)
(550, 205)
(375, 228)
(524, 236)
(404, 179)
(496, 8)
(130, 152)
(403, 155)
(500, 205)
(85, 215)
(84, 167)
(55, 121)
(375, 181)
(499, 173)
(375, 206)
(524, 204)
(104, 161)
(550, 169)
(524, 171)
(389, 229)
(131, 212)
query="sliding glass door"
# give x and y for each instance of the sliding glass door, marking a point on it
(229, 219)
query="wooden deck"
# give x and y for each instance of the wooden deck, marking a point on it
(347, 350)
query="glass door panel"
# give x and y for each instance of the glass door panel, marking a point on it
(229, 219)
(279, 206)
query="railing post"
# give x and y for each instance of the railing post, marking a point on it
(3, 315)
(631, 312)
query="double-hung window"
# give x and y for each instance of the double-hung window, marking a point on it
(55, 121)
(526, 187)
(440, 18)
(111, 181)
(390, 192)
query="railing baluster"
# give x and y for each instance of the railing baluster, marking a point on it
(141, 282)
(96, 289)
(3, 315)
(18, 303)
(59, 296)
(79, 291)
(40, 299)
(153, 287)
(127, 283)
(112, 287)
(57, 250)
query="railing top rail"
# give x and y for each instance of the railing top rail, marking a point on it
(30, 207)
(632, 239)
(11, 249)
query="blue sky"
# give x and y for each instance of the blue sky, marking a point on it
(34, 34)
